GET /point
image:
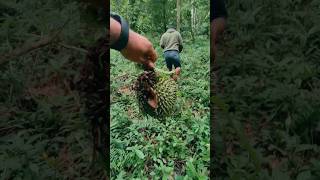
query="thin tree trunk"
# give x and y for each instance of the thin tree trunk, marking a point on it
(193, 15)
(164, 16)
(178, 14)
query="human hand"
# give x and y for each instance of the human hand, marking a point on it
(139, 49)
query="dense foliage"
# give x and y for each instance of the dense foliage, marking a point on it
(144, 147)
(43, 133)
(150, 16)
(141, 146)
(268, 91)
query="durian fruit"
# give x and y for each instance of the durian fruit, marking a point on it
(160, 85)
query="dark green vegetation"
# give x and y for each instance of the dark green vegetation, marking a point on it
(144, 147)
(152, 17)
(269, 80)
(43, 133)
(141, 146)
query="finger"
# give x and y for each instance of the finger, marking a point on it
(151, 65)
(151, 55)
(154, 56)
(148, 64)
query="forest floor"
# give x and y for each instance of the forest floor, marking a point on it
(143, 147)
(43, 132)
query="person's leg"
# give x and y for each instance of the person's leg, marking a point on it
(177, 65)
(168, 60)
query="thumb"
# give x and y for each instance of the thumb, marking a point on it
(150, 65)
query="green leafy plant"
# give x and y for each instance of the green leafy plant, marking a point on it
(43, 133)
(144, 147)
(268, 92)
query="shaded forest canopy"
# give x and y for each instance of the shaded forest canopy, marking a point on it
(154, 16)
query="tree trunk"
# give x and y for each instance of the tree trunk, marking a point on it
(164, 24)
(178, 14)
(193, 19)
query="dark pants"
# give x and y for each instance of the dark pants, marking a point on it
(172, 59)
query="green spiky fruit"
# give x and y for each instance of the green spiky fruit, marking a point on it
(165, 89)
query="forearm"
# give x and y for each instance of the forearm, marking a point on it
(115, 30)
(217, 27)
(212, 42)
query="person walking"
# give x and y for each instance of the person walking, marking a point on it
(171, 43)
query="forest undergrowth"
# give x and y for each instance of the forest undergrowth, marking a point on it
(144, 147)
(43, 131)
(269, 82)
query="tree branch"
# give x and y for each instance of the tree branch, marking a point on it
(73, 48)
(28, 47)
